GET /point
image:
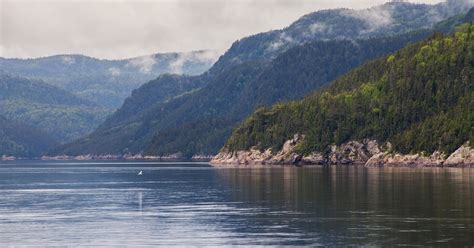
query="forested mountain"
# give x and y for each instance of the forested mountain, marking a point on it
(17, 139)
(420, 98)
(106, 82)
(383, 20)
(200, 123)
(56, 112)
(165, 88)
(199, 120)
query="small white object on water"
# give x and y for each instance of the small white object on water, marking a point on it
(140, 173)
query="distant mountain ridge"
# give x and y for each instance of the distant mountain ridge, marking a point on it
(198, 120)
(335, 24)
(106, 82)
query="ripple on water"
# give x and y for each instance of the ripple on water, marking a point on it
(79, 204)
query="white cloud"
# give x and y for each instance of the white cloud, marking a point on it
(144, 63)
(68, 60)
(317, 28)
(282, 41)
(209, 56)
(127, 28)
(206, 57)
(375, 17)
(114, 71)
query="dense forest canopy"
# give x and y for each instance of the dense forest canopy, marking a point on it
(57, 112)
(420, 98)
(21, 140)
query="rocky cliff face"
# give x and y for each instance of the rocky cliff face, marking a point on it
(404, 160)
(366, 152)
(352, 152)
(286, 155)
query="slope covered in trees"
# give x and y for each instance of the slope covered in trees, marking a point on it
(57, 112)
(200, 119)
(421, 99)
(18, 139)
(291, 76)
(383, 20)
(106, 82)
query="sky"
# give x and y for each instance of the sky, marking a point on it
(129, 28)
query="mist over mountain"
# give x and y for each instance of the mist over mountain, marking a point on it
(106, 82)
(335, 24)
(260, 70)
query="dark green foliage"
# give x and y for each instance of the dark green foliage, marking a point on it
(164, 88)
(208, 134)
(444, 131)
(420, 98)
(17, 139)
(57, 112)
(16, 88)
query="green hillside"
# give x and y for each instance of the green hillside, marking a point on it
(18, 139)
(420, 99)
(57, 112)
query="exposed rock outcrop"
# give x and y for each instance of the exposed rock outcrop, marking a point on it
(400, 160)
(172, 157)
(464, 156)
(201, 157)
(366, 152)
(286, 155)
(352, 152)
(8, 158)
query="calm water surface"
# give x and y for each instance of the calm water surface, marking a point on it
(54, 203)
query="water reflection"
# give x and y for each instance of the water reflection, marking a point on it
(194, 204)
(364, 206)
(140, 201)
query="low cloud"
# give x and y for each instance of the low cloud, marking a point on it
(144, 64)
(318, 27)
(282, 41)
(177, 66)
(114, 71)
(128, 28)
(68, 60)
(375, 18)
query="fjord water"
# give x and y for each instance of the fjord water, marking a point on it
(65, 203)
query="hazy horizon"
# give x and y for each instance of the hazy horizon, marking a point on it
(131, 28)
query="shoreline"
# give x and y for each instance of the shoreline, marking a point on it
(368, 153)
(89, 157)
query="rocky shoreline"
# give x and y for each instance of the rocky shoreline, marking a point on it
(90, 157)
(139, 157)
(367, 153)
